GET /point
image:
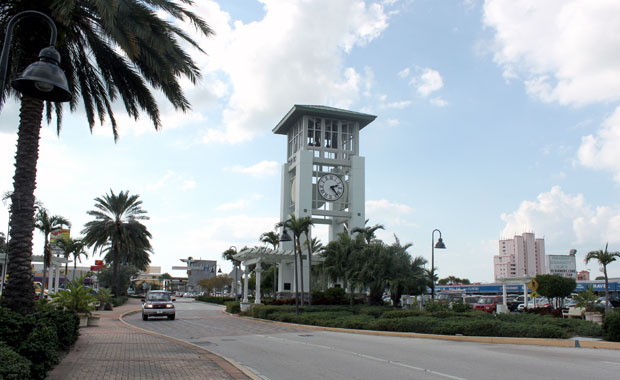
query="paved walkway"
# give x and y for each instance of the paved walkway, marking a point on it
(115, 351)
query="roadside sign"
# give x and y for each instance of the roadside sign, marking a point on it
(94, 268)
(98, 262)
(533, 285)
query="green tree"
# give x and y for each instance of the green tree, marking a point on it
(110, 51)
(314, 246)
(452, 280)
(341, 261)
(368, 232)
(604, 258)
(47, 223)
(163, 278)
(273, 239)
(72, 247)
(117, 230)
(123, 278)
(555, 287)
(298, 227)
(229, 255)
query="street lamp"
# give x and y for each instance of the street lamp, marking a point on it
(439, 245)
(44, 79)
(286, 237)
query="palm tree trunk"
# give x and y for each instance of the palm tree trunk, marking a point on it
(606, 288)
(301, 271)
(309, 271)
(19, 292)
(115, 271)
(74, 268)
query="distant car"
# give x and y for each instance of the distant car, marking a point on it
(471, 300)
(489, 303)
(513, 302)
(158, 304)
(541, 303)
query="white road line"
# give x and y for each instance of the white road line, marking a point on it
(374, 358)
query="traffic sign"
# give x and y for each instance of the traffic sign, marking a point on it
(98, 262)
(533, 285)
(94, 268)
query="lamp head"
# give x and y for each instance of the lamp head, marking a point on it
(285, 236)
(440, 244)
(44, 79)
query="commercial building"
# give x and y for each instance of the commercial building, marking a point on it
(197, 270)
(521, 256)
(562, 265)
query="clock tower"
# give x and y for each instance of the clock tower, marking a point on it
(323, 177)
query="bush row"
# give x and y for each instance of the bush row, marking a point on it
(611, 326)
(29, 345)
(447, 322)
(216, 300)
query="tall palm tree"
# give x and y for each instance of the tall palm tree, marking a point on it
(314, 246)
(47, 223)
(117, 229)
(229, 254)
(298, 227)
(368, 232)
(604, 258)
(110, 51)
(272, 238)
(72, 247)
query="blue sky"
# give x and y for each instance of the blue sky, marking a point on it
(493, 118)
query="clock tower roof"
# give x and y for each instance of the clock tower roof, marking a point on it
(299, 110)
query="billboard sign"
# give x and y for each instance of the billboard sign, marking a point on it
(562, 265)
(57, 235)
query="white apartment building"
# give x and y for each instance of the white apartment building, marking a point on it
(521, 256)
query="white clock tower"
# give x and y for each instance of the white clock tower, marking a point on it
(323, 176)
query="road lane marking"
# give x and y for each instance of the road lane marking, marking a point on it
(369, 357)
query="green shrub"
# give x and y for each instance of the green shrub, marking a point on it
(40, 347)
(402, 314)
(13, 327)
(12, 365)
(119, 301)
(65, 323)
(335, 293)
(375, 311)
(216, 300)
(461, 307)
(436, 306)
(233, 307)
(611, 326)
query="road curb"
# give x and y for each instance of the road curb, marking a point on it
(569, 343)
(232, 362)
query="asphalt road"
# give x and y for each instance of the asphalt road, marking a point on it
(276, 352)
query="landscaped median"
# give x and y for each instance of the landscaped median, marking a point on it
(445, 323)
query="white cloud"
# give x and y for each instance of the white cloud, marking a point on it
(565, 51)
(601, 151)
(428, 82)
(260, 170)
(390, 214)
(294, 54)
(438, 101)
(564, 219)
(398, 105)
(240, 204)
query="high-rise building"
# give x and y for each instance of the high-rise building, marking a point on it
(521, 256)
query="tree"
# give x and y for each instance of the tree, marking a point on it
(314, 246)
(229, 254)
(604, 258)
(47, 223)
(341, 261)
(555, 287)
(72, 247)
(298, 227)
(163, 278)
(123, 278)
(109, 51)
(452, 280)
(117, 230)
(272, 238)
(368, 232)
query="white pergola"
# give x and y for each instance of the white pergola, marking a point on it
(259, 255)
(53, 279)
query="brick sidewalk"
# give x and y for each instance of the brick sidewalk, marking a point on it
(115, 351)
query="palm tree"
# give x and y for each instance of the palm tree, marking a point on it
(117, 230)
(71, 247)
(272, 238)
(368, 232)
(298, 227)
(604, 258)
(110, 51)
(314, 246)
(46, 224)
(229, 254)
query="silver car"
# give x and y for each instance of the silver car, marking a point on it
(158, 304)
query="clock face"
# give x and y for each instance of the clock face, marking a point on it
(331, 187)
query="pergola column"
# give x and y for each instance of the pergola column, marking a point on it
(258, 272)
(245, 284)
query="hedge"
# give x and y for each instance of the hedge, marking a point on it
(611, 326)
(32, 342)
(216, 300)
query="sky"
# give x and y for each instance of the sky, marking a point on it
(494, 118)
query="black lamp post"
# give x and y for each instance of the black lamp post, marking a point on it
(286, 237)
(44, 79)
(439, 245)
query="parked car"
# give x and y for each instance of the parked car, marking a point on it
(489, 303)
(514, 301)
(540, 303)
(158, 304)
(471, 300)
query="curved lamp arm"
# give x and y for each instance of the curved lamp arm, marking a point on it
(4, 59)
